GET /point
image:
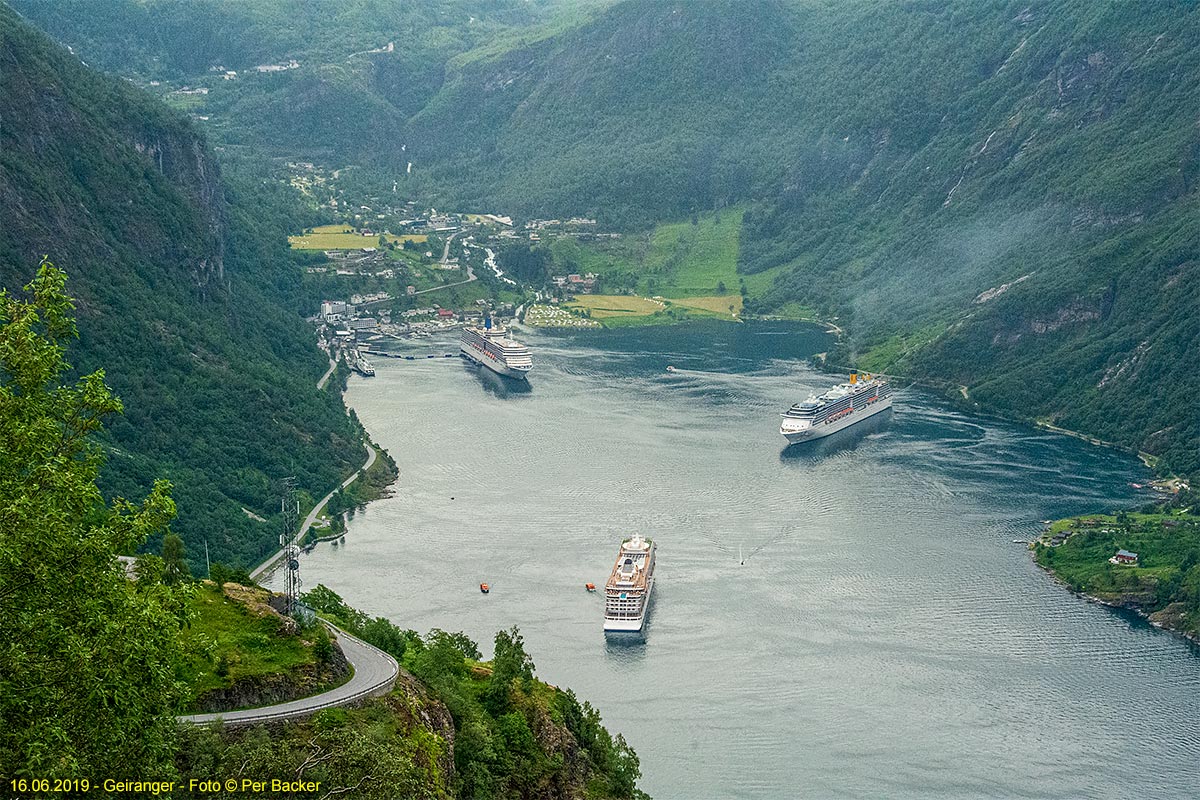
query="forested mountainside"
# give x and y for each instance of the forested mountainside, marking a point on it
(994, 196)
(1001, 196)
(183, 296)
(361, 68)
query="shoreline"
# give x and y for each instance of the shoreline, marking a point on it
(1193, 639)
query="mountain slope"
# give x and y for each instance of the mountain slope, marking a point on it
(1000, 196)
(181, 295)
(903, 161)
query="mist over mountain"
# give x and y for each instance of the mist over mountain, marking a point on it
(997, 198)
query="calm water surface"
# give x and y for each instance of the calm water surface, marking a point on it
(884, 638)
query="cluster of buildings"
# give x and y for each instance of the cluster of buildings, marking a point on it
(579, 284)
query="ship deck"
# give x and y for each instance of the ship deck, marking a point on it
(618, 582)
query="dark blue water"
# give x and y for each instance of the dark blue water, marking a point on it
(884, 638)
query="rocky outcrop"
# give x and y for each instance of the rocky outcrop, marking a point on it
(265, 690)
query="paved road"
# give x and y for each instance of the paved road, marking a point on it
(446, 249)
(266, 566)
(375, 674)
(325, 378)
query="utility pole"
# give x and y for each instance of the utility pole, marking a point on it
(289, 507)
(207, 565)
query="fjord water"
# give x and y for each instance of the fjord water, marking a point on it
(884, 637)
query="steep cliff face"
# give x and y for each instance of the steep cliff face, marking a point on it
(182, 297)
(188, 165)
(92, 168)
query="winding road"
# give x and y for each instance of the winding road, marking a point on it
(375, 671)
(375, 674)
(266, 566)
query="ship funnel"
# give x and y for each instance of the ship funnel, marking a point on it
(853, 378)
(487, 322)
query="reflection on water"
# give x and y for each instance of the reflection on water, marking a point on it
(840, 441)
(496, 384)
(626, 639)
(859, 601)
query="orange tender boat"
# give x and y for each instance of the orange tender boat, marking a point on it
(483, 587)
(591, 587)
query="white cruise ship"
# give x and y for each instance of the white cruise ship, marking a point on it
(492, 347)
(840, 407)
(627, 593)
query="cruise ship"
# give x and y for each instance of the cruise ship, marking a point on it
(627, 593)
(839, 408)
(492, 347)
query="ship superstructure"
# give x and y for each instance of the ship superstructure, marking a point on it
(838, 408)
(627, 592)
(492, 347)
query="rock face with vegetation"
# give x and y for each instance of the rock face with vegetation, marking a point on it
(239, 652)
(185, 295)
(513, 736)
(394, 746)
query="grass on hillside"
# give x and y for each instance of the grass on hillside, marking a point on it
(228, 636)
(1167, 573)
(602, 306)
(345, 241)
(675, 260)
(686, 260)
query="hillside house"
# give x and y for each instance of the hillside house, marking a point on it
(1124, 557)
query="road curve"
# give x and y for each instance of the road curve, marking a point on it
(375, 674)
(325, 378)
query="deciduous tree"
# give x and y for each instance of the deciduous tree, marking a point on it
(87, 682)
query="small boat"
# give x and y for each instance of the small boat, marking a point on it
(591, 587)
(670, 369)
(483, 587)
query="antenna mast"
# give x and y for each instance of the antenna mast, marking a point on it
(289, 507)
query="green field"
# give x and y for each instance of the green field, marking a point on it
(344, 240)
(728, 306)
(626, 310)
(603, 306)
(675, 260)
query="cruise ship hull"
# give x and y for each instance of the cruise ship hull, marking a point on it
(636, 624)
(492, 364)
(821, 430)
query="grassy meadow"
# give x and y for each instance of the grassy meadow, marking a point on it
(343, 237)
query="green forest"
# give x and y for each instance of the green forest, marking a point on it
(995, 196)
(186, 297)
